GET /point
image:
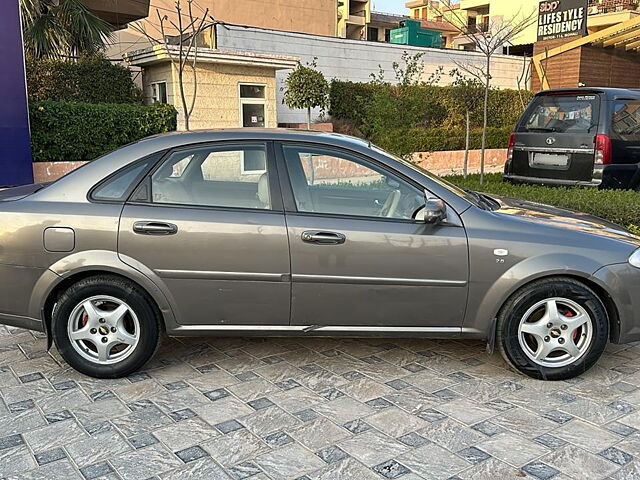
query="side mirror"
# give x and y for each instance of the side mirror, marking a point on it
(433, 212)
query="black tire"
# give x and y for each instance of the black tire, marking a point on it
(140, 303)
(514, 310)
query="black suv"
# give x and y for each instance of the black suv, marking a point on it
(579, 136)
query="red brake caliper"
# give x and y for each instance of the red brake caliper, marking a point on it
(575, 332)
(85, 319)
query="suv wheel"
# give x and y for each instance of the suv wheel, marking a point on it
(553, 329)
(105, 327)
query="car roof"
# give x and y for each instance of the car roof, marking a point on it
(283, 134)
(609, 92)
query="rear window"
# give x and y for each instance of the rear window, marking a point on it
(562, 114)
(625, 124)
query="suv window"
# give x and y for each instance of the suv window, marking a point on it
(625, 124)
(562, 113)
(332, 182)
(213, 176)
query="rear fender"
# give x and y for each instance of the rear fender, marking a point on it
(99, 261)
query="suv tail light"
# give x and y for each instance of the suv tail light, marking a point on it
(603, 149)
(512, 142)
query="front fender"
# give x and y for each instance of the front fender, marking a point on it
(98, 261)
(486, 296)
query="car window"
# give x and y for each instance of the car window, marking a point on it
(625, 124)
(214, 176)
(332, 182)
(115, 189)
(562, 113)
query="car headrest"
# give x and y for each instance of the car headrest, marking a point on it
(263, 189)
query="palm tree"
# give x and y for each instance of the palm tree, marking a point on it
(57, 28)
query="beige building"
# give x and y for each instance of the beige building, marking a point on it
(234, 89)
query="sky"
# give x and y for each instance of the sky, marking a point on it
(390, 6)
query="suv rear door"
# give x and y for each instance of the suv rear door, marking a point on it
(555, 138)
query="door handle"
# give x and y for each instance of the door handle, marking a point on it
(155, 228)
(323, 238)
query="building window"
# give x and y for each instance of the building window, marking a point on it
(372, 34)
(159, 92)
(252, 105)
(387, 35)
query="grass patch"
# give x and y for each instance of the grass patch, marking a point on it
(618, 206)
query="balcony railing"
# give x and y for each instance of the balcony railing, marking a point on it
(607, 6)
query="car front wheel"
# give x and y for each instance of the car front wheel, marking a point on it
(553, 329)
(105, 327)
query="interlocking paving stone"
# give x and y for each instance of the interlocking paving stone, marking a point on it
(192, 453)
(183, 414)
(229, 426)
(440, 409)
(143, 440)
(11, 441)
(391, 469)
(540, 470)
(50, 456)
(96, 471)
(616, 456)
(332, 454)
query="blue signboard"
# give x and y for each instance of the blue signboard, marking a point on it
(15, 147)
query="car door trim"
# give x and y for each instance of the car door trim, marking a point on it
(214, 275)
(305, 278)
(309, 329)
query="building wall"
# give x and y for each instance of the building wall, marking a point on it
(218, 102)
(561, 70)
(318, 17)
(591, 66)
(355, 60)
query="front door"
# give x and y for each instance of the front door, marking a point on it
(209, 223)
(358, 257)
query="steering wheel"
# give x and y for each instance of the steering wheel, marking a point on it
(390, 206)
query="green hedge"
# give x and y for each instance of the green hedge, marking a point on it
(618, 206)
(407, 119)
(89, 79)
(405, 142)
(62, 131)
(434, 106)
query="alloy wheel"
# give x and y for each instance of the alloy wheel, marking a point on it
(103, 329)
(555, 332)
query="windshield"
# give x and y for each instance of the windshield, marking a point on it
(469, 196)
(562, 114)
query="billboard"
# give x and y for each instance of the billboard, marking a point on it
(561, 18)
(15, 146)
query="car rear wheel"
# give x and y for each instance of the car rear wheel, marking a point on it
(105, 327)
(553, 329)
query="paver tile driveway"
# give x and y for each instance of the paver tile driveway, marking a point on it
(315, 408)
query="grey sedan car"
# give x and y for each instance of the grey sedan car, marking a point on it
(275, 232)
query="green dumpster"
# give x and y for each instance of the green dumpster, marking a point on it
(412, 33)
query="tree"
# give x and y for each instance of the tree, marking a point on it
(59, 28)
(305, 87)
(182, 48)
(487, 39)
(468, 95)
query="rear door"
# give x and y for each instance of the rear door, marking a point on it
(555, 137)
(209, 223)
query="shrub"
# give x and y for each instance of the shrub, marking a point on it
(617, 206)
(62, 131)
(390, 106)
(404, 142)
(91, 79)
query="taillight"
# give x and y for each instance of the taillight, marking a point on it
(602, 149)
(512, 142)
